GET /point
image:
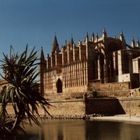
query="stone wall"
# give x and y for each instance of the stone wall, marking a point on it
(111, 86)
(135, 92)
(63, 108)
(117, 93)
(67, 108)
(106, 89)
(78, 108)
(131, 105)
(111, 89)
(104, 106)
(72, 91)
(112, 106)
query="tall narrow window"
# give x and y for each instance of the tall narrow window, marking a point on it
(59, 86)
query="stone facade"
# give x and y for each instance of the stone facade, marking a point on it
(74, 68)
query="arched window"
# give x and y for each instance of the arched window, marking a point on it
(59, 86)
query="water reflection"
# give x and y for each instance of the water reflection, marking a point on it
(102, 131)
(85, 130)
(112, 131)
(64, 130)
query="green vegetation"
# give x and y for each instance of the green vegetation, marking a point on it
(22, 91)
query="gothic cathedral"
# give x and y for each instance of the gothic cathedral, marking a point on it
(76, 69)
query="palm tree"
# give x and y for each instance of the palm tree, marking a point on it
(21, 90)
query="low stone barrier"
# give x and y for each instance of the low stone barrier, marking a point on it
(81, 109)
(67, 109)
(131, 105)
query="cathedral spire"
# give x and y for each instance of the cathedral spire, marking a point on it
(133, 43)
(122, 36)
(92, 37)
(104, 34)
(55, 45)
(87, 38)
(96, 38)
(123, 40)
(71, 41)
(42, 58)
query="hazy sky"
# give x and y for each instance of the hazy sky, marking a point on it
(36, 21)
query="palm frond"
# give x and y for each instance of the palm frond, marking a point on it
(22, 90)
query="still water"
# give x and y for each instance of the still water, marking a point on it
(83, 130)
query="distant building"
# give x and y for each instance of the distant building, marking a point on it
(96, 61)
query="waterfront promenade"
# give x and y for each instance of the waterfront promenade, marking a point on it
(118, 118)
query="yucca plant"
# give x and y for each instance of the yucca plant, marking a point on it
(21, 90)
